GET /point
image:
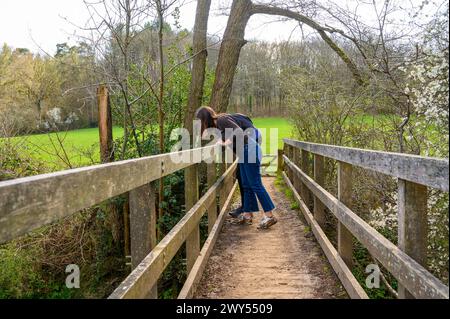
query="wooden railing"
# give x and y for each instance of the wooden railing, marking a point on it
(29, 203)
(414, 173)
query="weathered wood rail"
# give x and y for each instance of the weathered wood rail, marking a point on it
(29, 203)
(414, 173)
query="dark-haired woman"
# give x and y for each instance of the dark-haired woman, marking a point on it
(249, 163)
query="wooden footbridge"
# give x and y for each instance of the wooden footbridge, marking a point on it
(29, 203)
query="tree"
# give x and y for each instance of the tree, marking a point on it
(198, 62)
(233, 41)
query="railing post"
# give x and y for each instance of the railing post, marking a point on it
(289, 155)
(319, 177)
(412, 225)
(142, 226)
(280, 166)
(222, 170)
(191, 197)
(105, 125)
(305, 168)
(211, 179)
(119, 222)
(296, 159)
(345, 238)
(126, 227)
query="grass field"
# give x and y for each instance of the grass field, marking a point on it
(82, 146)
(283, 126)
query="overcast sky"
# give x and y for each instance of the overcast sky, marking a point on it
(42, 24)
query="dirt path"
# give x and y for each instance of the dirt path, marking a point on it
(276, 263)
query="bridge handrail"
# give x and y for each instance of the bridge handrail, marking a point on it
(139, 283)
(31, 202)
(428, 171)
(405, 262)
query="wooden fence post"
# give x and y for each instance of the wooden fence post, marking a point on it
(280, 166)
(126, 227)
(412, 225)
(119, 216)
(306, 194)
(345, 238)
(142, 226)
(191, 198)
(289, 155)
(211, 179)
(105, 125)
(319, 177)
(222, 170)
(296, 159)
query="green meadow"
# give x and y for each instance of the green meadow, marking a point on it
(81, 147)
(284, 131)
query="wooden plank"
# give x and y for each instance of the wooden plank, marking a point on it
(319, 177)
(31, 202)
(345, 238)
(146, 275)
(412, 225)
(196, 274)
(432, 172)
(212, 210)
(143, 226)
(351, 285)
(191, 194)
(420, 282)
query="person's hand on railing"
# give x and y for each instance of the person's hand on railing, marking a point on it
(226, 143)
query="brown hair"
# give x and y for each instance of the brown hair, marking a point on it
(207, 116)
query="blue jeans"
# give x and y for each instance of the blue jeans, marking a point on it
(252, 186)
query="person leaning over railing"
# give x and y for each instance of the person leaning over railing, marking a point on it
(250, 156)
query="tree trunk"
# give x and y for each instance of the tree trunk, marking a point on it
(199, 62)
(161, 114)
(232, 43)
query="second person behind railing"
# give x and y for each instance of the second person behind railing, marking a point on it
(249, 153)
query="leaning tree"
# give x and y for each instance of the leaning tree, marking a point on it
(233, 41)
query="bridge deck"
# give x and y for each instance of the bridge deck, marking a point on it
(276, 263)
